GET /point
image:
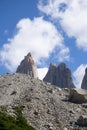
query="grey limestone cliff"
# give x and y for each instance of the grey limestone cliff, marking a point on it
(60, 76)
(84, 81)
(27, 66)
(50, 76)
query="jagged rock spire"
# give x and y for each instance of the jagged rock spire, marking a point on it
(84, 81)
(60, 76)
(50, 74)
(64, 77)
(27, 66)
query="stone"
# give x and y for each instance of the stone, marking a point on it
(84, 105)
(84, 81)
(27, 66)
(78, 96)
(71, 111)
(59, 76)
(49, 126)
(65, 128)
(82, 121)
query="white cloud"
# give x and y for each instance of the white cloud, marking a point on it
(36, 36)
(63, 54)
(72, 15)
(51, 7)
(42, 72)
(79, 74)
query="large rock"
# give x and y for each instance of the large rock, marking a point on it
(60, 76)
(27, 66)
(82, 121)
(78, 95)
(84, 81)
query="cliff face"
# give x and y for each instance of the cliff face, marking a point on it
(63, 77)
(50, 76)
(84, 81)
(27, 66)
(60, 76)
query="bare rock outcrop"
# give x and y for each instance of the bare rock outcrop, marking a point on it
(60, 76)
(27, 66)
(78, 96)
(84, 81)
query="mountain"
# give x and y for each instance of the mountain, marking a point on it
(27, 66)
(51, 74)
(59, 76)
(45, 106)
(84, 81)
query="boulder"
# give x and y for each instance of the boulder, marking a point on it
(82, 121)
(27, 66)
(78, 96)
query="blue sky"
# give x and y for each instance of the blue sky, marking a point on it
(54, 31)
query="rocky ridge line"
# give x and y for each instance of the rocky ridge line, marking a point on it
(59, 76)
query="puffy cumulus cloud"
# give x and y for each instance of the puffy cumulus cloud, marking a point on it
(72, 15)
(79, 74)
(42, 72)
(62, 55)
(36, 36)
(53, 8)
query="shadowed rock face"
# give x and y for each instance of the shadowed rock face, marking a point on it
(27, 66)
(50, 76)
(60, 76)
(84, 81)
(63, 77)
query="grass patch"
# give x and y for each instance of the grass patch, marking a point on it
(8, 122)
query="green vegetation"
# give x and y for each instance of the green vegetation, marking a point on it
(8, 122)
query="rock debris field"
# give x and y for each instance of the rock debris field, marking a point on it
(45, 106)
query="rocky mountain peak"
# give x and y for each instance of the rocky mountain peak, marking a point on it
(86, 70)
(84, 81)
(50, 74)
(64, 76)
(29, 56)
(27, 66)
(62, 66)
(60, 76)
(52, 66)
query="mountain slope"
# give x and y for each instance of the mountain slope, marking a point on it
(44, 106)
